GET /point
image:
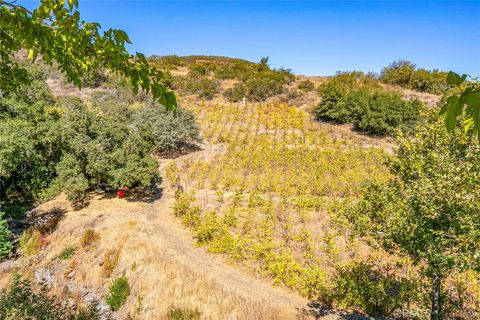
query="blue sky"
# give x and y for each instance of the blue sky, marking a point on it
(313, 38)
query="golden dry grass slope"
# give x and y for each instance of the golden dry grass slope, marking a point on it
(143, 241)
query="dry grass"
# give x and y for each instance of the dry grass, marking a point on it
(430, 99)
(144, 243)
(89, 238)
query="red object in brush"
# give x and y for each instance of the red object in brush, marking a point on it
(120, 194)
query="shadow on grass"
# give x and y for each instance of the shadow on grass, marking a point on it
(319, 311)
(174, 154)
(147, 195)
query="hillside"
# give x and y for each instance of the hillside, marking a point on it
(245, 222)
(157, 256)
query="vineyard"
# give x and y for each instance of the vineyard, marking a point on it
(262, 189)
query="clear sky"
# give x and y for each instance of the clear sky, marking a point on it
(313, 38)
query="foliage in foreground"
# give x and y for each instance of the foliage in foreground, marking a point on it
(375, 291)
(430, 210)
(55, 31)
(465, 101)
(21, 302)
(359, 99)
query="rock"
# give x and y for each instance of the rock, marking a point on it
(90, 297)
(8, 266)
(102, 308)
(65, 289)
(44, 276)
(72, 304)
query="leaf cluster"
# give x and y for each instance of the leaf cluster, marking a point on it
(464, 104)
(56, 32)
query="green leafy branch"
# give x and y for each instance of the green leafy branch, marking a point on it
(55, 31)
(466, 102)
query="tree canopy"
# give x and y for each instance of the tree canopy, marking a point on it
(429, 210)
(56, 32)
(49, 144)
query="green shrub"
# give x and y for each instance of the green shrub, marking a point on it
(359, 99)
(334, 105)
(306, 85)
(118, 293)
(234, 70)
(20, 302)
(405, 74)
(70, 178)
(67, 253)
(236, 93)
(6, 246)
(399, 72)
(202, 68)
(168, 131)
(429, 81)
(201, 85)
(383, 112)
(183, 313)
(371, 290)
(260, 88)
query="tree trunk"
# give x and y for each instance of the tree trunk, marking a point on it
(436, 297)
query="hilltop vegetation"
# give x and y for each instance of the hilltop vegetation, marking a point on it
(360, 99)
(256, 82)
(406, 74)
(367, 101)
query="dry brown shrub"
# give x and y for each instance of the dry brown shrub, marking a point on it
(89, 237)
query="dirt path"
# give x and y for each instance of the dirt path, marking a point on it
(165, 229)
